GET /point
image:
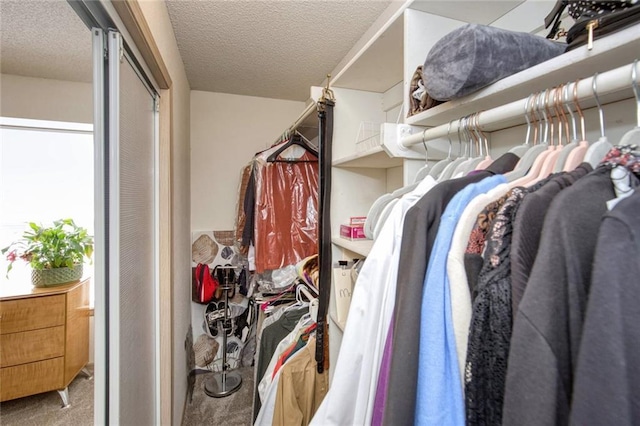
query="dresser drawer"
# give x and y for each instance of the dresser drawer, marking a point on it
(29, 379)
(31, 313)
(30, 346)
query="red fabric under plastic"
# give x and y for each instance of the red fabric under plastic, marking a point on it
(286, 213)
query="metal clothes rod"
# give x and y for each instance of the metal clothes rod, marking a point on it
(305, 114)
(607, 82)
(310, 109)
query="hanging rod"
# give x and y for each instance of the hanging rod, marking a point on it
(305, 114)
(608, 82)
(309, 109)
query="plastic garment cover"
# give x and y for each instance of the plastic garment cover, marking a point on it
(286, 228)
(241, 217)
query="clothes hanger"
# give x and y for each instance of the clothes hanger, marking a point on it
(299, 303)
(620, 176)
(461, 169)
(486, 162)
(439, 167)
(451, 167)
(576, 156)
(573, 139)
(384, 215)
(552, 158)
(374, 213)
(536, 167)
(295, 139)
(597, 151)
(527, 160)
(424, 170)
(477, 137)
(521, 150)
(312, 302)
(632, 137)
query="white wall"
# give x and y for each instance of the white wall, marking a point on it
(45, 99)
(226, 132)
(157, 17)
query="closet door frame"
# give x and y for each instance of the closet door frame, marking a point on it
(135, 30)
(127, 17)
(119, 59)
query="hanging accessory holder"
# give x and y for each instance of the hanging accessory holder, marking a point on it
(224, 383)
(325, 136)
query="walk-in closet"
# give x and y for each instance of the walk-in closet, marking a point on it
(375, 212)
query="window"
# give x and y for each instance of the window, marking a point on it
(46, 173)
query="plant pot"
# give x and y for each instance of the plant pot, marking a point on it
(56, 276)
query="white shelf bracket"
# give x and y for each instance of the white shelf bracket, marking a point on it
(391, 134)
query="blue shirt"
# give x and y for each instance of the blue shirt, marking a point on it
(440, 400)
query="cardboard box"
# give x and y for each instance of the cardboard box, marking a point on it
(352, 232)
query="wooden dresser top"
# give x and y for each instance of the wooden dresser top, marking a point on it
(21, 288)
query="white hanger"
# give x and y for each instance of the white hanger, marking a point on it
(450, 168)
(597, 151)
(383, 217)
(534, 171)
(632, 137)
(459, 170)
(299, 302)
(439, 167)
(486, 162)
(532, 154)
(477, 137)
(313, 302)
(374, 213)
(424, 170)
(620, 176)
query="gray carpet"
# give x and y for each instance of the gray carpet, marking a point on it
(233, 410)
(45, 408)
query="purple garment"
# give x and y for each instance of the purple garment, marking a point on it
(383, 380)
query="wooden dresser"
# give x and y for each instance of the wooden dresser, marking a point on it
(44, 338)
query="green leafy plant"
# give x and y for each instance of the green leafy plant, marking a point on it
(62, 245)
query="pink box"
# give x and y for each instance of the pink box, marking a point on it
(352, 232)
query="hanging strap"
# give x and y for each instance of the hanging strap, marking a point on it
(325, 136)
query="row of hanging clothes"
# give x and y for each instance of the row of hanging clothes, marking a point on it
(502, 291)
(288, 387)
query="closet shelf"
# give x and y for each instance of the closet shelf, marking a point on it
(373, 158)
(611, 51)
(362, 247)
(377, 67)
(336, 322)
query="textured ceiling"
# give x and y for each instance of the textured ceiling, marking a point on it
(44, 39)
(274, 48)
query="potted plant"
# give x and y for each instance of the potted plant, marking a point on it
(56, 253)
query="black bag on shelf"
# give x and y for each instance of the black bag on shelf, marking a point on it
(593, 19)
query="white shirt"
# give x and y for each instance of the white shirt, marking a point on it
(461, 307)
(352, 392)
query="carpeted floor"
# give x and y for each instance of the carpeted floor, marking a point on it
(45, 408)
(233, 410)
